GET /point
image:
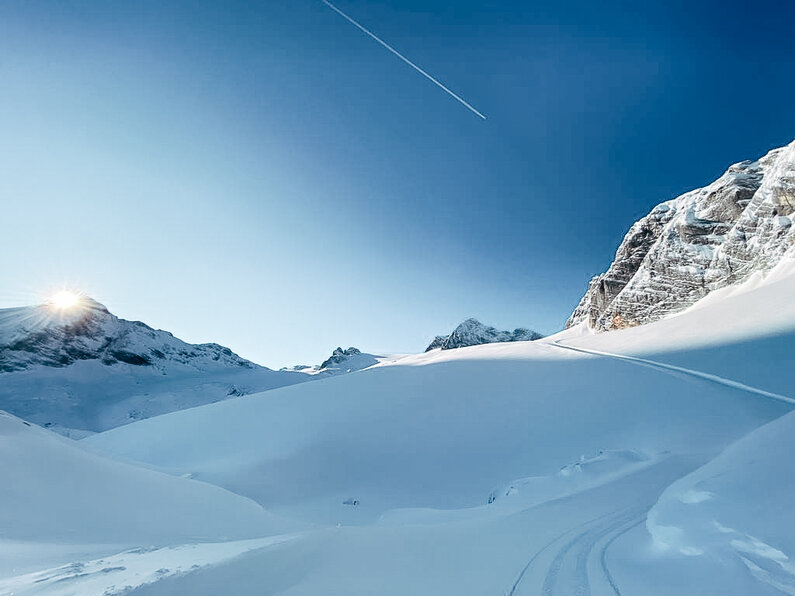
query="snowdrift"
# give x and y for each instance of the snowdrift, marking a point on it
(55, 491)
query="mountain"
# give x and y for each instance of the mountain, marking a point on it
(340, 362)
(704, 240)
(50, 336)
(84, 368)
(352, 359)
(474, 333)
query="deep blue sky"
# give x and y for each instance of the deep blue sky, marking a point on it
(265, 176)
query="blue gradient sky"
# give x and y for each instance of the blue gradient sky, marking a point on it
(265, 176)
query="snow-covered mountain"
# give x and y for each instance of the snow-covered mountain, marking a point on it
(84, 368)
(47, 335)
(704, 240)
(474, 333)
(340, 362)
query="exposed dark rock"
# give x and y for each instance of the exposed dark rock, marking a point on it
(338, 356)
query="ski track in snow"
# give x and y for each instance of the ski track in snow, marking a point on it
(613, 525)
(548, 545)
(573, 557)
(688, 371)
(540, 551)
(607, 545)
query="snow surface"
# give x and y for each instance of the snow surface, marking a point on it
(638, 463)
(739, 505)
(53, 487)
(439, 434)
(89, 396)
(72, 522)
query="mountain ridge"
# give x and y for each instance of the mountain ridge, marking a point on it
(48, 336)
(82, 369)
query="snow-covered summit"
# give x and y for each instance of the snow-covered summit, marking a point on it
(82, 368)
(704, 240)
(340, 362)
(56, 337)
(474, 333)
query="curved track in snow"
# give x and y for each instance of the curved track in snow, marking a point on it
(568, 573)
(544, 548)
(603, 554)
(680, 369)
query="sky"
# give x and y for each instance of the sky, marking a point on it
(265, 176)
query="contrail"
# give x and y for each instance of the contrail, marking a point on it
(401, 56)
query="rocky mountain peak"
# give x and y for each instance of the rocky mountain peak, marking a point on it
(52, 336)
(701, 241)
(339, 356)
(472, 332)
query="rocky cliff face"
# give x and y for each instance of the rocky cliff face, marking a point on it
(474, 333)
(699, 242)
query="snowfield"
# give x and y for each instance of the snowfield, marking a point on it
(439, 434)
(654, 460)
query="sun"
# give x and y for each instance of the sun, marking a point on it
(65, 299)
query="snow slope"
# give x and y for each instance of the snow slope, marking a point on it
(744, 332)
(53, 487)
(90, 521)
(514, 468)
(738, 506)
(437, 434)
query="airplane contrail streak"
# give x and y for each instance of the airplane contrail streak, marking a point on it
(401, 56)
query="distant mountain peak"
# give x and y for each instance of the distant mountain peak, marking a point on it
(49, 336)
(338, 356)
(472, 332)
(341, 361)
(81, 367)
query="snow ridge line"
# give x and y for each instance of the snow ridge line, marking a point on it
(688, 371)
